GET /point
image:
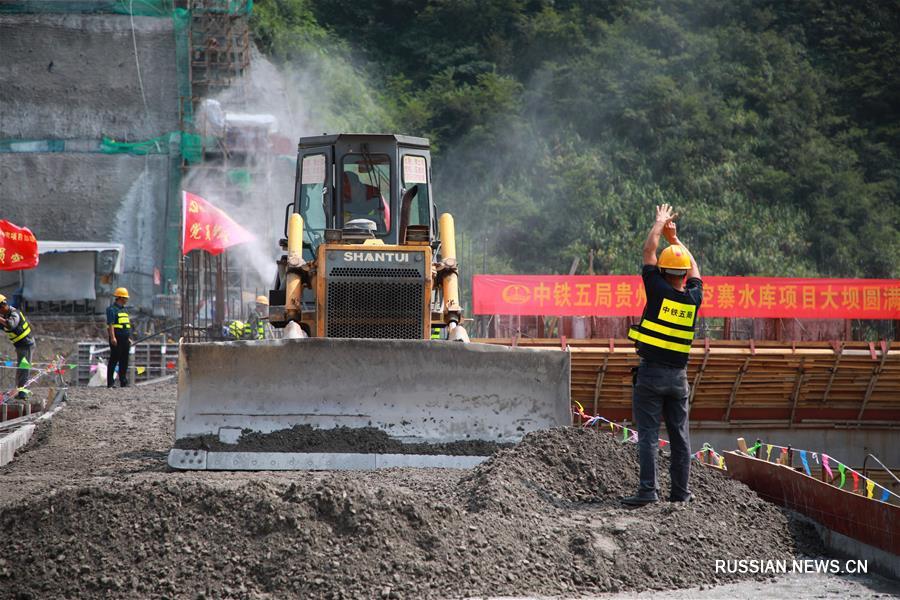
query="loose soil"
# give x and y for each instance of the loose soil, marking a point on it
(303, 438)
(93, 510)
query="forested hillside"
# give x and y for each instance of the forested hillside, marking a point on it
(773, 126)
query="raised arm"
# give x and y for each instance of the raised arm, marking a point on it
(664, 215)
(670, 232)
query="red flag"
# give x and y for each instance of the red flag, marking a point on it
(209, 228)
(18, 248)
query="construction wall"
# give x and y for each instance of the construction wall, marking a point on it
(69, 81)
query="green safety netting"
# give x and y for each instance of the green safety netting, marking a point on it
(181, 20)
(190, 145)
(143, 8)
(32, 146)
(157, 145)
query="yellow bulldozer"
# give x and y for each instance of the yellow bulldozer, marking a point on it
(373, 337)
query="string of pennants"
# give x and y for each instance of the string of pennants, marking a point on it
(25, 364)
(629, 435)
(806, 456)
(48, 368)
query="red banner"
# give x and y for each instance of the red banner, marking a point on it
(209, 228)
(623, 295)
(18, 248)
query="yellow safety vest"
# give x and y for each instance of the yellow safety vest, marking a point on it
(122, 319)
(236, 329)
(22, 330)
(668, 326)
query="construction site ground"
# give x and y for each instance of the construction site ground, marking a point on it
(89, 508)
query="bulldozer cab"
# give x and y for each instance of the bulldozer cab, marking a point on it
(342, 178)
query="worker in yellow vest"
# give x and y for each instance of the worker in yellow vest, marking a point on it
(235, 329)
(17, 328)
(663, 339)
(118, 324)
(257, 327)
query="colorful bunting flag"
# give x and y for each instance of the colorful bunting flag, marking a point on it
(721, 462)
(768, 451)
(855, 480)
(815, 456)
(24, 364)
(885, 495)
(805, 462)
(140, 370)
(170, 365)
(870, 488)
(842, 469)
(624, 433)
(662, 443)
(827, 467)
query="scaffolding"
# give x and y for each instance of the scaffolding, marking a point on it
(219, 36)
(233, 162)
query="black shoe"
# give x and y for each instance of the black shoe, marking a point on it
(688, 498)
(637, 500)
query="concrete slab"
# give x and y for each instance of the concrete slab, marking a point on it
(14, 440)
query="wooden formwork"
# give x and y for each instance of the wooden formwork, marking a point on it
(799, 384)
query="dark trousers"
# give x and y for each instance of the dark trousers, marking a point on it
(23, 374)
(661, 390)
(118, 355)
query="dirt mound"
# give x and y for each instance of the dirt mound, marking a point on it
(539, 518)
(304, 438)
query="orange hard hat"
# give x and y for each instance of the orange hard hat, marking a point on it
(674, 258)
(121, 293)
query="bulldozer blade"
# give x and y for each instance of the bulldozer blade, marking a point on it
(415, 390)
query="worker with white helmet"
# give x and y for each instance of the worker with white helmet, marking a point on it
(18, 330)
(663, 338)
(118, 324)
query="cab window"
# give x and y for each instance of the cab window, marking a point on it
(365, 190)
(311, 200)
(415, 173)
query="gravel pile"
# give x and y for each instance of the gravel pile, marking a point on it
(539, 518)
